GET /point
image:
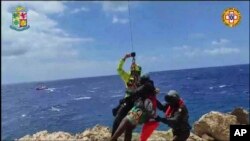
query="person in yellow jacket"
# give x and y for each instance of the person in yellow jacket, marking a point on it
(131, 80)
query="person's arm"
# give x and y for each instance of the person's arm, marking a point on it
(160, 106)
(172, 120)
(123, 74)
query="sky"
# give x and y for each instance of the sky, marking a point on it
(74, 39)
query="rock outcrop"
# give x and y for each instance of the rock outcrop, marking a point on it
(242, 115)
(99, 133)
(213, 126)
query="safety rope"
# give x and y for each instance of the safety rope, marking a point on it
(130, 27)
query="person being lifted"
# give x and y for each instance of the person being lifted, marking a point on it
(131, 80)
(144, 109)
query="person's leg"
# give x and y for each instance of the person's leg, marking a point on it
(183, 136)
(124, 125)
(128, 132)
(122, 112)
(116, 122)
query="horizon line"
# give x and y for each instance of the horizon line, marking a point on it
(43, 81)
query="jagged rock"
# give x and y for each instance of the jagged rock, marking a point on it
(211, 126)
(194, 137)
(97, 133)
(207, 137)
(44, 135)
(241, 114)
(215, 124)
(161, 136)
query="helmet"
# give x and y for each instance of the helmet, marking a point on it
(172, 97)
(136, 68)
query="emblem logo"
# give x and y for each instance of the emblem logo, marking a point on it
(19, 19)
(231, 17)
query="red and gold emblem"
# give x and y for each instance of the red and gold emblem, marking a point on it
(231, 17)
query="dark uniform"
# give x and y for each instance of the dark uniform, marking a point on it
(138, 114)
(176, 116)
(130, 80)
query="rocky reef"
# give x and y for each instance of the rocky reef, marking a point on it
(213, 126)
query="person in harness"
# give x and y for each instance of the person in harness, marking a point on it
(176, 116)
(145, 104)
(131, 82)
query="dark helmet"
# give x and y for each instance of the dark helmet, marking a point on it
(172, 97)
(144, 78)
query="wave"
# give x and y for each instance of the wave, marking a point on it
(116, 91)
(95, 88)
(91, 91)
(223, 92)
(246, 92)
(50, 89)
(23, 115)
(118, 95)
(68, 86)
(55, 109)
(197, 92)
(81, 98)
(222, 86)
(211, 88)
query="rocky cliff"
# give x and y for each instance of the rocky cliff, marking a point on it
(213, 126)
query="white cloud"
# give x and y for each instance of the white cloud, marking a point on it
(36, 53)
(48, 70)
(77, 10)
(50, 7)
(114, 6)
(183, 47)
(190, 51)
(220, 42)
(115, 9)
(221, 51)
(42, 35)
(119, 20)
(186, 50)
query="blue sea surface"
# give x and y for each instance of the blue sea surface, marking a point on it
(76, 104)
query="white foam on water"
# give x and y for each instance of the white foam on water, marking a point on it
(23, 115)
(116, 91)
(197, 92)
(222, 86)
(118, 95)
(81, 98)
(50, 89)
(91, 91)
(55, 109)
(223, 92)
(95, 88)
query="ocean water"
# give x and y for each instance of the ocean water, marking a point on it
(76, 104)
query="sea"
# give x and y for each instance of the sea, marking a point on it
(74, 105)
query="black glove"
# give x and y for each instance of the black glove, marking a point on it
(158, 118)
